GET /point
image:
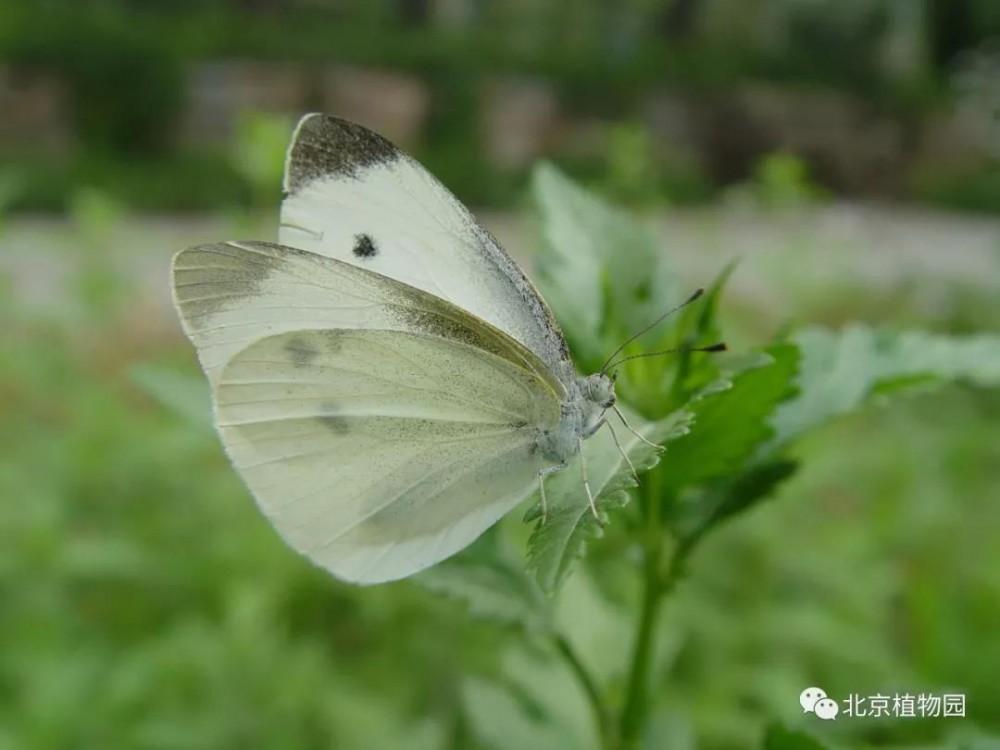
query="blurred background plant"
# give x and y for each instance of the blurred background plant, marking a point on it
(143, 98)
(825, 145)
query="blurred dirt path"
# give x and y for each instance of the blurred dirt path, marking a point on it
(826, 247)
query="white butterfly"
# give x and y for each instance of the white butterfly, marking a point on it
(386, 380)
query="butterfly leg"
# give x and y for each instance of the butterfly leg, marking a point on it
(541, 486)
(629, 428)
(622, 451)
(586, 482)
(541, 491)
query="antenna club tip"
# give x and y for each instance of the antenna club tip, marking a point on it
(697, 293)
(720, 347)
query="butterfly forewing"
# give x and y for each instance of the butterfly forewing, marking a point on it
(229, 294)
(353, 196)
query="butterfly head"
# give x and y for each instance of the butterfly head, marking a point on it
(599, 389)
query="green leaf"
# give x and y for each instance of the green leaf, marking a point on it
(646, 380)
(492, 589)
(841, 369)
(969, 738)
(603, 273)
(499, 720)
(731, 422)
(258, 152)
(184, 394)
(538, 706)
(597, 628)
(695, 514)
(669, 729)
(560, 540)
(779, 737)
(706, 326)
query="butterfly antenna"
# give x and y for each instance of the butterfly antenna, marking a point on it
(667, 314)
(720, 347)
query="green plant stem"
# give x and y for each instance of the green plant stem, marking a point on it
(658, 583)
(633, 717)
(601, 713)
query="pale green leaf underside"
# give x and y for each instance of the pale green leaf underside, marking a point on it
(584, 237)
(558, 542)
(841, 369)
(569, 266)
(491, 589)
(539, 706)
(186, 395)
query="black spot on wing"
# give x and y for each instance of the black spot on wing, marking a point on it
(364, 246)
(332, 420)
(300, 351)
(326, 146)
(333, 339)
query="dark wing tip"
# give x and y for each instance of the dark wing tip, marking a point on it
(325, 146)
(205, 277)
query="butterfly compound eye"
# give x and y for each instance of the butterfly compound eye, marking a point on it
(600, 389)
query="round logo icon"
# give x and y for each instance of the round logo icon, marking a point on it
(809, 697)
(826, 708)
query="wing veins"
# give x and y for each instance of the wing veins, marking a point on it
(396, 498)
(370, 376)
(303, 454)
(319, 490)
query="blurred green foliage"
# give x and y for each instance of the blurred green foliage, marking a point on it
(178, 183)
(258, 153)
(741, 419)
(125, 79)
(632, 171)
(972, 189)
(125, 64)
(782, 181)
(147, 605)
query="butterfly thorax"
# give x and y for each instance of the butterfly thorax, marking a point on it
(582, 413)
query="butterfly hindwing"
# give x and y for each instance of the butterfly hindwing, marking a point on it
(377, 453)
